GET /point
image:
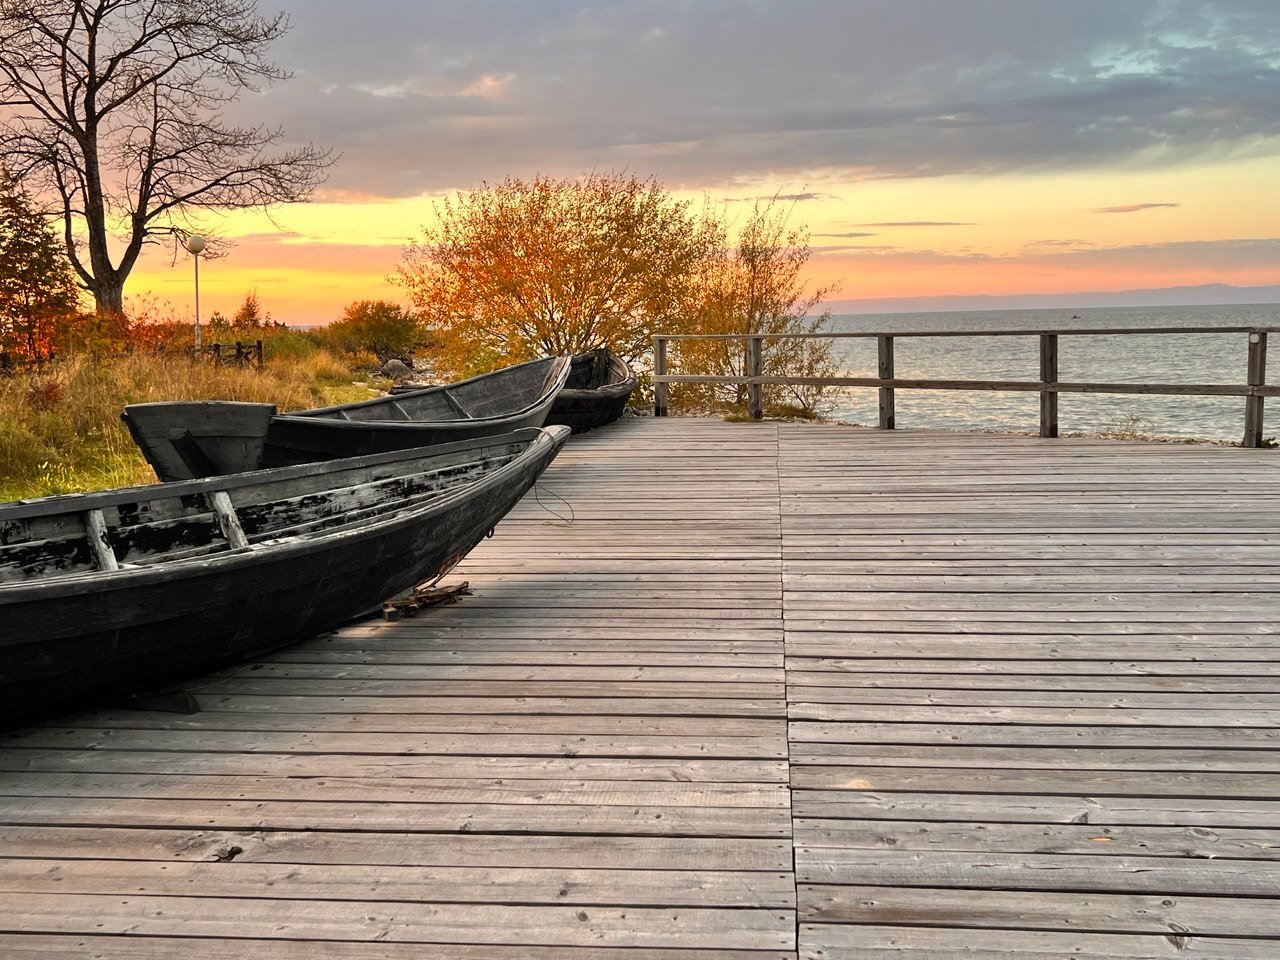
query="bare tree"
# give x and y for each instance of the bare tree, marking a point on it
(758, 288)
(113, 114)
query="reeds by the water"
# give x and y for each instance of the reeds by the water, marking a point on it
(60, 429)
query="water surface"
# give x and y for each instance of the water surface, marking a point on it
(1218, 358)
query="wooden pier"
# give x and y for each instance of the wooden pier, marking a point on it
(728, 692)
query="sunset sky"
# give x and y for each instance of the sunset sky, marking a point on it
(931, 146)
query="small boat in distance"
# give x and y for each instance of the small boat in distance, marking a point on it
(595, 393)
(183, 440)
(599, 385)
(110, 593)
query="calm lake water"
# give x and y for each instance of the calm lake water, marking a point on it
(1166, 358)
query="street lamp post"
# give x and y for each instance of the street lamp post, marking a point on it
(195, 245)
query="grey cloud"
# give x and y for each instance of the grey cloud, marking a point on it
(716, 93)
(1230, 254)
(1208, 254)
(861, 247)
(849, 236)
(919, 256)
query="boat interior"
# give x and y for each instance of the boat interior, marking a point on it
(164, 523)
(588, 371)
(497, 394)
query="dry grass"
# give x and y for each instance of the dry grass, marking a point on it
(1131, 427)
(60, 428)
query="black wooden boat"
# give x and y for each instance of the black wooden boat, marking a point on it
(182, 440)
(106, 594)
(599, 385)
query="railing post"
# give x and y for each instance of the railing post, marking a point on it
(884, 349)
(1257, 378)
(1048, 375)
(659, 370)
(755, 368)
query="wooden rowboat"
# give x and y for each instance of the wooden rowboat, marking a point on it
(595, 393)
(183, 440)
(599, 385)
(107, 594)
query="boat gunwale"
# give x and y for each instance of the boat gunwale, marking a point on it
(553, 383)
(173, 489)
(611, 391)
(144, 404)
(231, 559)
(333, 423)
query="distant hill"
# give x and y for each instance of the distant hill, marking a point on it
(1207, 294)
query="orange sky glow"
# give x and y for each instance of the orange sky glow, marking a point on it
(991, 148)
(1002, 234)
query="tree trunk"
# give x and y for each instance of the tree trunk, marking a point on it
(108, 294)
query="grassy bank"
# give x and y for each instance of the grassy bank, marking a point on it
(60, 428)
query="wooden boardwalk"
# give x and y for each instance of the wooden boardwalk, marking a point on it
(747, 691)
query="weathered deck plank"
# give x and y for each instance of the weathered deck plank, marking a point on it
(1032, 688)
(725, 691)
(586, 758)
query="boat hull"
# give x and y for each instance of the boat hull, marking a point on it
(81, 639)
(187, 440)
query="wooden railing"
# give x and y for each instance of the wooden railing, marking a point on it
(1254, 390)
(237, 354)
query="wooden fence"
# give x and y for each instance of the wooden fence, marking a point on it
(240, 354)
(1254, 390)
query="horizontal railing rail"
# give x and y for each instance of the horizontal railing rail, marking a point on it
(1254, 390)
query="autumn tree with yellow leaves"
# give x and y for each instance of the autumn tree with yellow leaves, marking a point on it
(529, 268)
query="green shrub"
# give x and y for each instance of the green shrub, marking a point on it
(378, 327)
(282, 343)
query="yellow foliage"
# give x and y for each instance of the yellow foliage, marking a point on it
(543, 267)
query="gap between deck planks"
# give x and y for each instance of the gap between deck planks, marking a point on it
(1031, 687)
